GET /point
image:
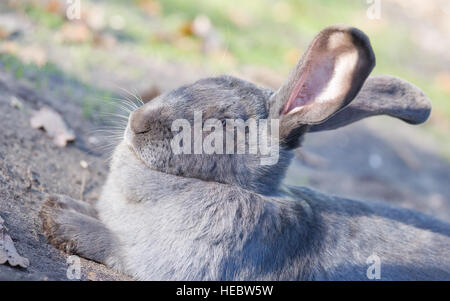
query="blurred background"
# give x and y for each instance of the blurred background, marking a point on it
(84, 52)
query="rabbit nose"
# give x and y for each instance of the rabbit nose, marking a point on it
(140, 119)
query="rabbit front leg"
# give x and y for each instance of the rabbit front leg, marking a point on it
(71, 226)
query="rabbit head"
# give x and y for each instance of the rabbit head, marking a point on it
(316, 96)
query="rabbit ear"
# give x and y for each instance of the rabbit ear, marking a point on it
(327, 78)
(382, 95)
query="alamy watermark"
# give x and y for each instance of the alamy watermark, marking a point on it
(74, 268)
(374, 10)
(374, 270)
(252, 136)
(73, 10)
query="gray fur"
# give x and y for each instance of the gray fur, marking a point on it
(400, 99)
(225, 217)
(73, 226)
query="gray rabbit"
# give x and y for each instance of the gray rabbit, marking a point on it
(167, 216)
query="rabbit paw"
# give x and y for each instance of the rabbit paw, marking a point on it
(56, 215)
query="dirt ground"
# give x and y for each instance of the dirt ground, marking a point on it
(31, 166)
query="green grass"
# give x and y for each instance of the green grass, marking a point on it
(266, 39)
(44, 17)
(67, 87)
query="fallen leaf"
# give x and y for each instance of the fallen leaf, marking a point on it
(104, 40)
(201, 27)
(443, 81)
(54, 126)
(9, 48)
(92, 276)
(4, 34)
(8, 252)
(150, 7)
(75, 32)
(186, 29)
(54, 6)
(27, 54)
(33, 54)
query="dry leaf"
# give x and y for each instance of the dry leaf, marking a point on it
(186, 29)
(201, 27)
(104, 40)
(92, 276)
(4, 33)
(54, 6)
(151, 7)
(9, 48)
(54, 125)
(33, 54)
(443, 81)
(8, 253)
(75, 32)
(27, 54)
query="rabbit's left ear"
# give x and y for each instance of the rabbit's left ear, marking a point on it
(382, 95)
(326, 79)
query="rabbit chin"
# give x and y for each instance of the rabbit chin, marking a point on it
(128, 137)
(129, 143)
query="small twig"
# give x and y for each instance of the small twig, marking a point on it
(85, 166)
(83, 185)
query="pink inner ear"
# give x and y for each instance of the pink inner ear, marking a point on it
(314, 79)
